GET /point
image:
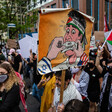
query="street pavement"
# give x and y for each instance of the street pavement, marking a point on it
(32, 104)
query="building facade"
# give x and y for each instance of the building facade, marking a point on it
(95, 8)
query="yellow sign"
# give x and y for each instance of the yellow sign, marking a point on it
(64, 39)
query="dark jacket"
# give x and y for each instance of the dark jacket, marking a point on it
(10, 100)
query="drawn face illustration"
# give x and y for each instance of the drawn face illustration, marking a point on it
(71, 36)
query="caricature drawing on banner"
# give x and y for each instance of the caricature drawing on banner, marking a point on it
(71, 44)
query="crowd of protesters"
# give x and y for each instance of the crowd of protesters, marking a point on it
(86, 88)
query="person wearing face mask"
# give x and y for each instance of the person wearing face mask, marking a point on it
(9, 89)
(17, 63)
(73, 72)
(94, 84)
(81, 80)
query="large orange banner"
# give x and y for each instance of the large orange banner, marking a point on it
(64, 39)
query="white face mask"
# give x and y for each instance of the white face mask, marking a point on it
(74, 70)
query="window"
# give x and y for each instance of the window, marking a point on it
(64, 3)
(88, 7)
(96, 15)
(107, 10)
(53, 5)
(111, 16)
(75, 4)
(40, 1)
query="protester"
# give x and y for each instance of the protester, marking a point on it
(6, 65)
(94, 83)
(4, 51)
(9, 89)
(34, 75)
(17, 62)
(106, 94)
(102, 56)
(75, 105)
(70, 92)
(28, 69)
(48, 83)
(81, 81)
(2, 57)
(37, 93)
(33, 63)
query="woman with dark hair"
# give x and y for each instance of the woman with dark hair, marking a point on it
(75, 106)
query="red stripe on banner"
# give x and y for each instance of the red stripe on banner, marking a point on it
(85, 58)
(82, 57)
(86, 62)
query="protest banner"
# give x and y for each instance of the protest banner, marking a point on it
(99, 35)
(26, 44)
(64, 39)
(92, 43)
(108, 39)
(12, 43)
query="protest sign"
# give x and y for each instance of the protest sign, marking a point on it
(64, 39)
(99, 35)
(12, 43)
(108, 37)
(92, 43)
(26, 44)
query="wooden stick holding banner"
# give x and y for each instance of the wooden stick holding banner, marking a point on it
(62, 85)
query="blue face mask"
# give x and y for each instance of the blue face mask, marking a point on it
(3, 78)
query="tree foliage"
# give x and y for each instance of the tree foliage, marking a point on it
(9, 14)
